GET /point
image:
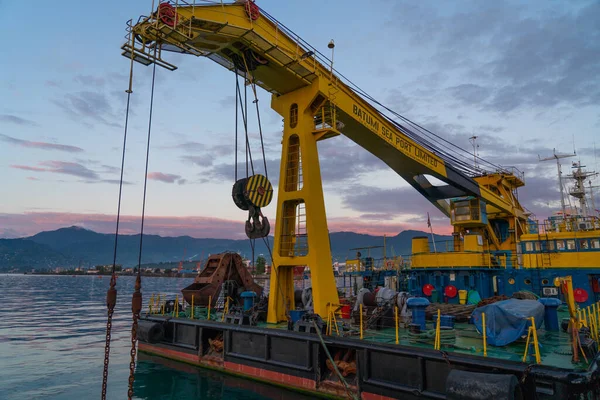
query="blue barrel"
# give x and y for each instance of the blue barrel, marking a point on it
(295, 315)
(551, 313)
(417, 306)
(248, 299)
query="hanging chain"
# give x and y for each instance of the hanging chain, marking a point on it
(136, 299)
(111, 294)
(111, 300)
(136, 308)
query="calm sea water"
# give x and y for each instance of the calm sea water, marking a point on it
(52, 333)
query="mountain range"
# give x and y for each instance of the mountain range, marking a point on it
(73, 246)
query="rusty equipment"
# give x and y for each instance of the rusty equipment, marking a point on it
(220, 268)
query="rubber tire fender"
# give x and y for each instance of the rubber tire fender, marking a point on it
(466, 385)
(150, 332)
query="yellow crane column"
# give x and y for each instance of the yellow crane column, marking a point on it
(301, 235)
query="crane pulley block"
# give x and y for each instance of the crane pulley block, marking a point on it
(250, 194)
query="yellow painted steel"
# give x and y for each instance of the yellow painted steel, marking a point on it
(420, 245)
(192, 311)
(315, 105)
(259, 190)
(484, 328)
(437, 342)
(397, 322)
(300, 186)
(226, 309)
(574, 259)
(361, 320)
(455, 260)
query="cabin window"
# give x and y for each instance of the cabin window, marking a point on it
(550, 245)
(595, 243)
(560, 244)
(528, 246)
(583, 244)
(570, 244)
(537, 246)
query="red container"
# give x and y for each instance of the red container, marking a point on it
(346, 311)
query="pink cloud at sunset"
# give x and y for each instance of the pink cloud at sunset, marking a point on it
(30, 223)
(27, 224)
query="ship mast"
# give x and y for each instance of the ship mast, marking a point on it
(594, 211)
(578, 190)
(560, 186)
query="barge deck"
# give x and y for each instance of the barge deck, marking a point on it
(300, 361)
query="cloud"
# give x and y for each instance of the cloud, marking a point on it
(509, 55)
(88, 105)
(167, 178)
(228, 101)
(30, 223)
(40, 145)
(469, 93)
(224, 172)
(200, 161)
(89, 80)
(17, 120)
(68, 168)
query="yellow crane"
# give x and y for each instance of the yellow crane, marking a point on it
(316, 103)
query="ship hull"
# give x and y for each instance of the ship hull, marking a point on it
(299, 361)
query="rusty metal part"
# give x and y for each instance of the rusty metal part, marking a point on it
(111, 300)
(491, 300)
(136, 308)
(346, 364)
(258, 225)
(461, 312)
(216, 345)
(218, 269)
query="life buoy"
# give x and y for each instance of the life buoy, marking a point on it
(450, 291)
(428, 288)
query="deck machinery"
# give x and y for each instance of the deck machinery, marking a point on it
(316, 104)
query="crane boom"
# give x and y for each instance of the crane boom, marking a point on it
(316, 104)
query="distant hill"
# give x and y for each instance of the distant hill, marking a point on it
(70, 246)
(25, 254)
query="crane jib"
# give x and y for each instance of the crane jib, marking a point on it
(390, 136)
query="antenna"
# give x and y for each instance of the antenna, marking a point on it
(473, 140)
(557, 157)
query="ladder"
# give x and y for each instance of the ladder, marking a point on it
(546, 260)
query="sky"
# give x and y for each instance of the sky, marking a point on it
(523, 76)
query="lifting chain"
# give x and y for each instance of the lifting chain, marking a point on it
(136, 308)
(111, 300)
(136, 298)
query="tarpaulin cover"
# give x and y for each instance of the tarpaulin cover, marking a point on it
(508, 320)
